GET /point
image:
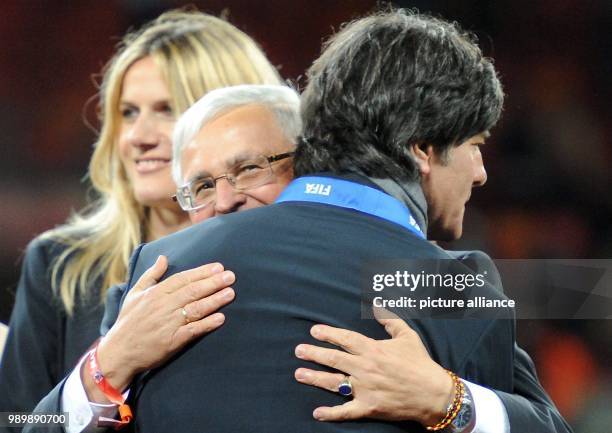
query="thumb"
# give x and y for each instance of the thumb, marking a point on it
(392, 323)
(152, 275)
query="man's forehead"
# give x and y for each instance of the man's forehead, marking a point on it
(233, 137)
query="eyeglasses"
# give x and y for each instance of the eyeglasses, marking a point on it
(252, 173)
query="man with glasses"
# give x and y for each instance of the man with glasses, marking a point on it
(238, 155)
(243, 179)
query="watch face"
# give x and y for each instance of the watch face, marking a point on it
(463, 417)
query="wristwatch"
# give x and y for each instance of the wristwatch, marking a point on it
(465, 421)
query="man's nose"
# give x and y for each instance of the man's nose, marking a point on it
(480, 174)
(227, 199)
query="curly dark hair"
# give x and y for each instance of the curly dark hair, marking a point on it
(388, 81)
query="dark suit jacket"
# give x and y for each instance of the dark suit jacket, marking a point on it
(297, 264)
(528, 406)
(44, 342)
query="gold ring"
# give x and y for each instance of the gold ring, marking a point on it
(184, 313)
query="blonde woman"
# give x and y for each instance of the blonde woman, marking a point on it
(157, 73)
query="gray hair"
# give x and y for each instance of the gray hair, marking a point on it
(282, 101)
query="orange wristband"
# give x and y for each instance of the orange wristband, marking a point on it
(110, 392)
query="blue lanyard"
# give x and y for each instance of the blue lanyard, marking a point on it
(350, 195)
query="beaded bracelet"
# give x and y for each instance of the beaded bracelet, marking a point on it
(454, 407)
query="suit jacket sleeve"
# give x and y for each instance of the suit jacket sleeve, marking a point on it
(50, 404)
(529, 407)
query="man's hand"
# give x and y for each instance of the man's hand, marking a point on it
(392, 379)
(152, 324)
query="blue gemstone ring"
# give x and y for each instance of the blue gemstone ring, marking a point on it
(345, 388)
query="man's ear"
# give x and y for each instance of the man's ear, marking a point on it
(422, 154)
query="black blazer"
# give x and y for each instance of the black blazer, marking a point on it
(44, 343)
(297, 264)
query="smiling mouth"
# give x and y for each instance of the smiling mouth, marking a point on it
(144, 166)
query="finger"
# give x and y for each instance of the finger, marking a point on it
(320, 379)
(182, 279)
(201, 272)
(190, 331)
(152, 275)
(201, 289)
(350, 410)
(205, 307)
(352, 342)
(394, 326)
(333, 358)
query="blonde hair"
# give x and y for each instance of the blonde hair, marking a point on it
(196, 53)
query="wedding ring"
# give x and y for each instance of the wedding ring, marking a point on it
(184, 313)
